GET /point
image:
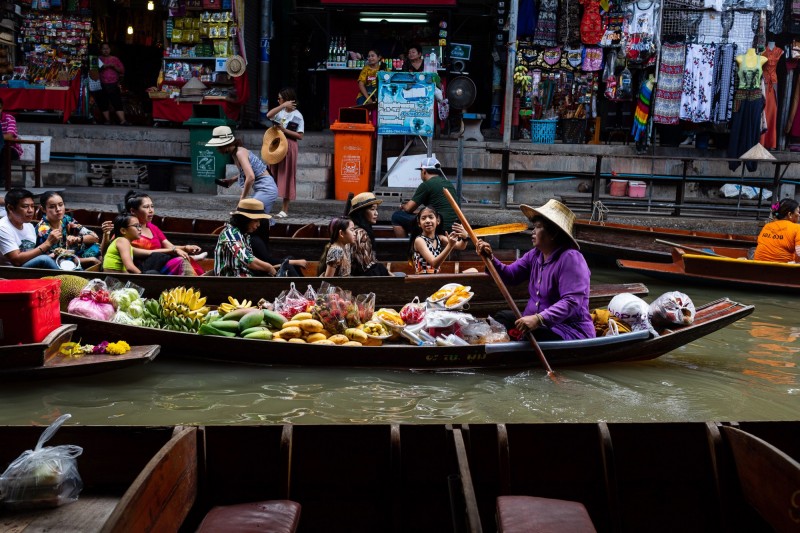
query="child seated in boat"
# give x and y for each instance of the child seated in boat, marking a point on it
(779, 240)
(557, 274)
(335, 260)
(119, 256)
(430, 249)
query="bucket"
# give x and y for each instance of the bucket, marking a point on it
(636, 189)
(618, 187)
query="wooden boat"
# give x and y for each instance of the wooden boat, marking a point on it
(636, 346)
(392, 291)
(135, 478)
(607, 242)
(304, 241)
(728, 267)
(43, 359)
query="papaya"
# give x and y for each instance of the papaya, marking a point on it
(338, 339)
(263, 334)
(312, 326)
(302, 316)
(227, 325)
(208, 329)
(313, 337)
(251, 320)
(273, 319)
(237, 314)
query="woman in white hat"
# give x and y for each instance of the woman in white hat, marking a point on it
(363, 211)
(254, 176)
(290, 122)
(557, 275)
(233, 255)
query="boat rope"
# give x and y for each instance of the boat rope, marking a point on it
(599, 212)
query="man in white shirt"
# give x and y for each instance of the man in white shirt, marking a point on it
(18, 236)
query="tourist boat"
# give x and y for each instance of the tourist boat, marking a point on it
(692, 476)
(302, 241)
(391, 291)
(635, 346)
(43, 359)
(725, 267)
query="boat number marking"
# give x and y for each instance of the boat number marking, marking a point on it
(454, 358)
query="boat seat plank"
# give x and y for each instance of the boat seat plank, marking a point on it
(275, 516)
(86, 515)
(524, 514)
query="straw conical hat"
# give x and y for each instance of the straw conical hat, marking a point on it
(274, 147)
(555, 212)
(757, 153)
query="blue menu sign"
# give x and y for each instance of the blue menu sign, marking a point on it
(405, 103)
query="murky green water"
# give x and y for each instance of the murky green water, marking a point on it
(748, 371)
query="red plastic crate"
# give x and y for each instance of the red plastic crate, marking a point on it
(29, 309)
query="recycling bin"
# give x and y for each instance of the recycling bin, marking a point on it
(208, 163)
(353, 139)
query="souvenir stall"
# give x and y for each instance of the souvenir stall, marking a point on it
(54, 46)
(204, 62)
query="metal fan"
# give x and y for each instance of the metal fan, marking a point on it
(461, 92)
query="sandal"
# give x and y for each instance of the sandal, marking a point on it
(282, 214)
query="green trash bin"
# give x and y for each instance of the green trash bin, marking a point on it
(207, 163)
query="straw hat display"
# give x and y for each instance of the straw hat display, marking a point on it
(235, 66)
(274, 147)
(555, 212)
(757, 153)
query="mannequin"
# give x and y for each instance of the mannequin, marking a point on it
(750, 59)
(769, 70)
(747, 108)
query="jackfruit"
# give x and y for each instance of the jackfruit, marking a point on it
(71, 287)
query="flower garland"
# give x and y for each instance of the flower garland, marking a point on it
(76, 349)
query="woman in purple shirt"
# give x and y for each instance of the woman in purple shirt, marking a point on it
(557, 275)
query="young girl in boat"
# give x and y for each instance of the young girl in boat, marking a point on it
(430, 249)
(336, 257)
(119, 254)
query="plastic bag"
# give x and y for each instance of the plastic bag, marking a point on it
(43, 477)
(631, 310)
(671, 308)
(290, 303)
(485, 332)
(94, 301)
(446, 322)
(365, 303)
(413, 312)
(336, 309)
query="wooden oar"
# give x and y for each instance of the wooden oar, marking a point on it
(689, 248)
(501, 229)
(499, 282)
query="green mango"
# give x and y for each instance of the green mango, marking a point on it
(208, 329)
(251, 330)
(273, 319)
(264, 334)
(237, 314)
(227, 325)
(251, 320)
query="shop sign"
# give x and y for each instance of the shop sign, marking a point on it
(405, 103)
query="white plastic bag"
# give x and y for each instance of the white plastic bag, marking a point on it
(672, 308)
(632, 310)
(43, 477)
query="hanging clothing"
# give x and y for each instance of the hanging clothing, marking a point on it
(667, 107)
(591, 23)
(526, 18)
(776, 17)
(698, 83)
(546, 29)
(569, 31)
(642, 110)
(725, 83)
(638, 41)
(747, 108)
(770, 138)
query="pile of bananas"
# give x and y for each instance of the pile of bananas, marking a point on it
(521, 78)
(178, 309)
(232, 303)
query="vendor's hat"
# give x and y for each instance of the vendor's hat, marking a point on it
(235, 66)
(432, 165)
(362, 200)
(274, 146)
(251, 208)
(221, 136)
(555, 212)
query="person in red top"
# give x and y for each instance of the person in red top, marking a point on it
(111, 69)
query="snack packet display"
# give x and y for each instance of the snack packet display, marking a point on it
(43, 477)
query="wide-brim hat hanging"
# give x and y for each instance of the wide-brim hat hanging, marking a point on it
(555, 212)
(274, 147)
(235, 66)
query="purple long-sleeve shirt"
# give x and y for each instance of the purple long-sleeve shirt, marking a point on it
(559, 289)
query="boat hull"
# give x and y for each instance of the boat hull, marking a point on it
(634, 347)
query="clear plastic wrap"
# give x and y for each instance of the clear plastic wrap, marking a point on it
(671, 309)
(43, 477)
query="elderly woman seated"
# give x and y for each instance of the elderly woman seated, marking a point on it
(233, 255)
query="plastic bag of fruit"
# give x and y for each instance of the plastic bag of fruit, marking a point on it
(94, 301)
(336, 309)
(413, 312)
(291, 302)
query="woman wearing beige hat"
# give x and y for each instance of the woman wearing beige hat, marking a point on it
(233, 255)
(254, 177)
(557, 275)
(290, 122)
(363, 211)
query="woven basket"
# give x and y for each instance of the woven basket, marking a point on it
(158, 95)
(543, 131)
(573, 130)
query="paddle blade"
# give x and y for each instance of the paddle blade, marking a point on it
(501, 229)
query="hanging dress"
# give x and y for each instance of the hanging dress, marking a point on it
(591, 23)
(667, 107)
(770, 138)
(747, 108)
(569, 31)
(546, 29)
(642, 110)
(725, 84)
(698, 83)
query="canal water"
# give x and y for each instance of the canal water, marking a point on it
(748, 371)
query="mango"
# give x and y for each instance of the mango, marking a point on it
(291, 324)
(278, 339)
(297, 340)
(338, 339)
(272, 318)
(310, 325)
(324, 342)
(227, 325)
(316, 337)
(208, 329)
(250, 320)
(355, 334)
(352, 343)
(373, 342)
(292, 332)
(237, 314)
(252, 330)
(302, 316)
(263, 334)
